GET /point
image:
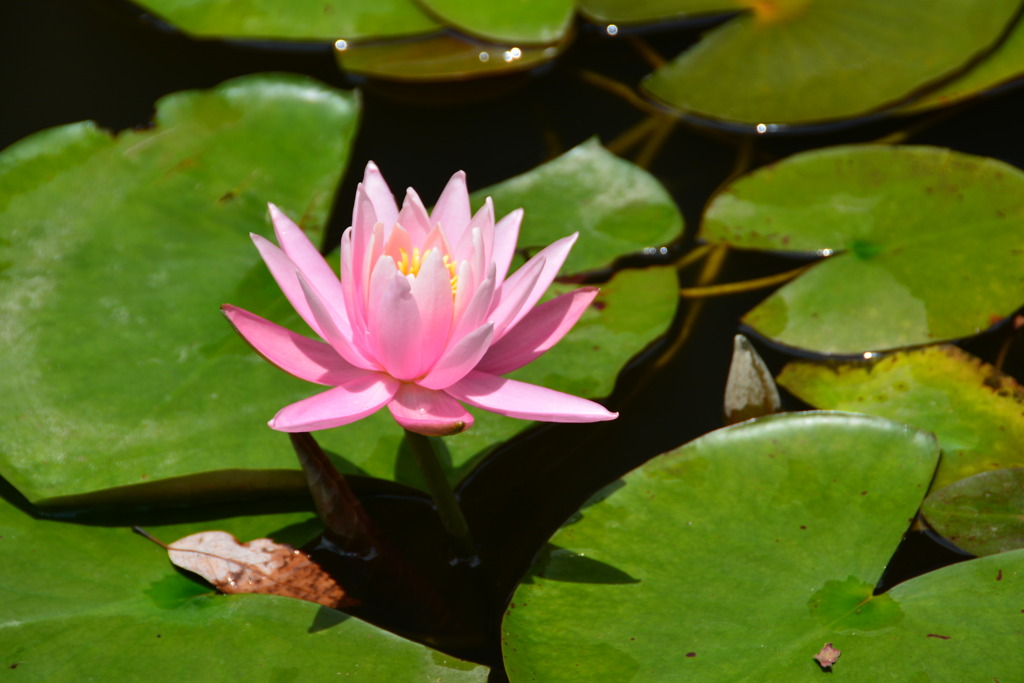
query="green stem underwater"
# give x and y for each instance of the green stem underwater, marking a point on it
(442, 494)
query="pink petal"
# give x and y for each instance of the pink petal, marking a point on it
(308, 359)
(432, 289)
(370, 257)
(413, 217)
(355, 305)
(394, 323)
(325, 317)
(433, 413)
(341, 405)
(397, 242)
(459, 359)
(436, 239)
(286, 275)
(553, 256)
(506, 234)
(537, 332)
(514, 293)
(305, 256)
(483, 221)
(477, 257)
(472, 304)
(364, 218)
(380, 195)
(452, 208)
(526, 401)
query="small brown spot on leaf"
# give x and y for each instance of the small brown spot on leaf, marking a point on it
(863, 493)
(691, 654)
(936, 635)
(14, 666)
(999, 575)
(226, 197)
(827, 656)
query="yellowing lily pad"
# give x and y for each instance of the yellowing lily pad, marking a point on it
(296, 20)
(741, 554)
(976, 412)
(1003, 66)
(922, 244)
(814, 61)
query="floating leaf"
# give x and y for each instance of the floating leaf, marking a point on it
(983, 514)
(617, 207)
(750, 390)
(303, 20)
(118, 367)
(440, 56)
(1004, 65)
(752, 547)
(259, 566)
(527, 21)
(100, 603)
(976, 412)
(812, 61)
(926, 244)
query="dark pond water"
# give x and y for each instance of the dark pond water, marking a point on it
(68, 60)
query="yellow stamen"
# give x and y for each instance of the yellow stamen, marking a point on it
(412, 266)
(453, 271)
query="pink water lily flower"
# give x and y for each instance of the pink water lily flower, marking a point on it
(422, 319)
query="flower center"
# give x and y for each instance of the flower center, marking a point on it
(411, 265)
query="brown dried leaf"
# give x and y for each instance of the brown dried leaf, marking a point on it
(259, 566)
(827, 656)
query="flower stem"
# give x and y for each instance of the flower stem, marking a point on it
(443, 495)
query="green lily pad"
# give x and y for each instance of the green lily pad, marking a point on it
(813, 61)
(924, 244)
(95, 603)
(439, 57)
(747, 550)
(1004, 65)
(983, 514)
(976, 412)
(300, 20)
(118, 367)
(633, 309)
(526, 21)
(632, 12)
(617, 207)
